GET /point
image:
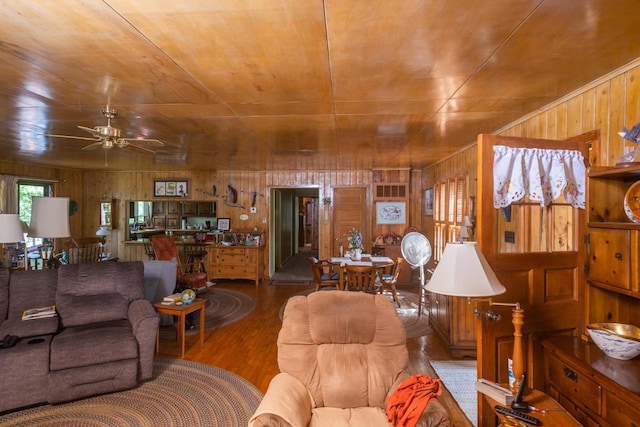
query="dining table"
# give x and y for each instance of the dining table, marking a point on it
(381, 263)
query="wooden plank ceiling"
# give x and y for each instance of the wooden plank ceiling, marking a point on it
(292, 84)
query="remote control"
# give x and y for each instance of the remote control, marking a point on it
(517, 415)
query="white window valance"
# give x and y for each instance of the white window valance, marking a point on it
(541, 175)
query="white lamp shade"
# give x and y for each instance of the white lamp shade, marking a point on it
(49, 217)
(10, 228)
(103, 231)
(466, 221)
(464, 272)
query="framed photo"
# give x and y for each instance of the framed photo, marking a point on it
(428, 202)
(224, 224)
(170, 188)
(391, 212)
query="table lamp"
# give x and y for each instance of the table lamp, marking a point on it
(49, 219)
(103, 232)
(10, 229)
(464, 272)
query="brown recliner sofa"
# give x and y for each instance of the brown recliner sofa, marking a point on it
(103, 339)
(341, 356)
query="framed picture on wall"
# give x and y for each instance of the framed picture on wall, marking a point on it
(224, 224)
(170, 188)
(391, 212)
(428, 202)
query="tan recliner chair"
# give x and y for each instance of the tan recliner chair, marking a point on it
(341, 355)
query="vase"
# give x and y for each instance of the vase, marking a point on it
(356, 254)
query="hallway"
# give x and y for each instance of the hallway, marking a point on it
(295, 269)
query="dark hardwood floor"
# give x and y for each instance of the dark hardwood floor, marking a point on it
(248, 347)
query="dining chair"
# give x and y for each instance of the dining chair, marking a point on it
(361, 278)
(165, 249)
(388, 281)
(323, 274)
(83, 249)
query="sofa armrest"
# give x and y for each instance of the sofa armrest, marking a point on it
(287, 403)
(144, 324)
(433, 415)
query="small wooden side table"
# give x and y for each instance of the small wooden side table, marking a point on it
(181, 311)
(555, 415)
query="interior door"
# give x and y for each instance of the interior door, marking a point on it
(538, 254)
(350, 210)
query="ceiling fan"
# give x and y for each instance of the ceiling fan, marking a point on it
(108, 137)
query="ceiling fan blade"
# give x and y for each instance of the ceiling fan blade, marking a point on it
(92, 146)
(90, 130)
(138, 149)
(143, 141)
(84, 138)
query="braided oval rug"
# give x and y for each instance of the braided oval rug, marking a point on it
(181, 393)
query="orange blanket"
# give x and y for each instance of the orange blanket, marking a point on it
(407, 403)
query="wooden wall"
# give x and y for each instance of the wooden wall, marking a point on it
(67, 183)
(127, 186)
(608, 104)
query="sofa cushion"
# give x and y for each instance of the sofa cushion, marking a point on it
(97, 291)
(24, 371)
(88, 309)
(29, 328)
(93, 344)
(31, 289)
(339, 417)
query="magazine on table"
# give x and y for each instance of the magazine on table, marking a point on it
(38, 313)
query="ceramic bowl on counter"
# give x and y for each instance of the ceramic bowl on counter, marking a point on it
(616, 340)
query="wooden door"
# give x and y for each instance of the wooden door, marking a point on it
(538, 256)
(350, 210)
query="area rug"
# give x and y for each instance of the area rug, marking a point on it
(415, 326)
(459, 377)
(181, 393)
(223, 307)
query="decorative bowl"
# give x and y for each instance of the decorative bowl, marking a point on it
(616, 340)
(188, 295)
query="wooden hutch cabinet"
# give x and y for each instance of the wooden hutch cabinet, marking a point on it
(596, 389)
(239, 261)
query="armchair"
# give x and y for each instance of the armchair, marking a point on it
(341, 356)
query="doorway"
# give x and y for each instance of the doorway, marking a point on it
(294, 225)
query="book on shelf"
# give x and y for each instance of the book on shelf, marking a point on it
(500, 394)
(173, 298)
(38, 313)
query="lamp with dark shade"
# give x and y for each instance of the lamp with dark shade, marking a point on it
(464, 272)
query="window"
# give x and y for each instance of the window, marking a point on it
(27, 190)
(450, 203)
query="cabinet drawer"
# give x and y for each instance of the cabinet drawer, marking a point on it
(232, 259)
(620, 413)
(231, 251)
(231, 271)
(610, 256)
(585, 393)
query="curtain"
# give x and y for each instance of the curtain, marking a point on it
(541, 175)
(8, 194)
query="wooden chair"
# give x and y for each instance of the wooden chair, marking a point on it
(388, 281)
(323, 274)
(361, 278)
(195, 255)
(165, 249)
(84, 249)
